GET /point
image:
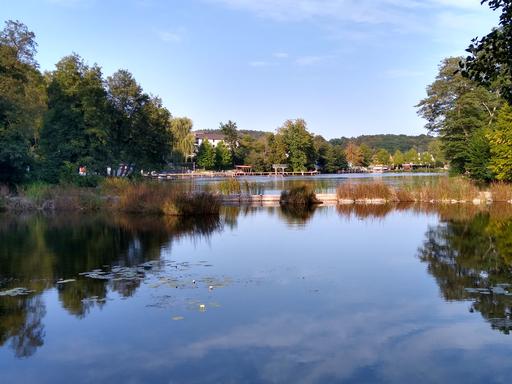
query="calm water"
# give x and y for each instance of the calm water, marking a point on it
(321, 183)
(348, 294)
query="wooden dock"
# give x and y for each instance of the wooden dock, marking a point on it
(199, 175)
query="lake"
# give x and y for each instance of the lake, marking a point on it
(352, 294)
(323, 183)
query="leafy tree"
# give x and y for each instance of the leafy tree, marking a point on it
(299, 144)
(411, 156)
(278, 149)
(490, 60)
(22, 101)
(367, 155)
(436, 150)
(455, 108)
(500, 142)
(140, 132)
(479, 156)
(183, 138)
(223, 159)
(335, 159)
(353, 155)
(398, 158)
(75, 129)
(231, 137)
(206, 155)
(382, 157)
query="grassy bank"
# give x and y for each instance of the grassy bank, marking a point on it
(116, 195)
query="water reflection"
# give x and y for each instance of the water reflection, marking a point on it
(39, 251)
(470, 258)
(469, 247)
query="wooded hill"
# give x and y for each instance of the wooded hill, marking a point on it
(389, 142)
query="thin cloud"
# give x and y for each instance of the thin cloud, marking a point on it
(169, 37)
(281, 55)
(403, 15)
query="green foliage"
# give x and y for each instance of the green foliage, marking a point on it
(500, 141)
(411, 156)
(206, 155)
(22, 101)
(479, 156)
(398, 158)
(75, 128)
(388, 142)
(457, 109)
(231, 137)
(223, 159)
(382, 157)
(183, 139)
(299, 144)
(489, 61)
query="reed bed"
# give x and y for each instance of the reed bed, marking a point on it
(440, 190)
(162, 198)
(365, 191)
(500, 192)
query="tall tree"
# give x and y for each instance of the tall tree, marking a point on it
(22, 101)
(223, 158)
(500, 142)
(141, 131)
(299, 144)
(75, 128)
(382, 157)
(455, 108)
(183, 138)
(206, 155)
(398, 158)
(353, 155)
(490, 61)
(231, 137)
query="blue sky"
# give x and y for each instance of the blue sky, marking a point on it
(348, 67)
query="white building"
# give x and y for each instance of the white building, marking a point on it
(213, 138)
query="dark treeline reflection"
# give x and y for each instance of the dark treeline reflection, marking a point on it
(474, 252)
(37, 251)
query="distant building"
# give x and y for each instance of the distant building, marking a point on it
(213, 138)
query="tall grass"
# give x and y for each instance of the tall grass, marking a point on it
(230, 186)
(434, 190)
(162, 198)
(365, 191)
(500, 192)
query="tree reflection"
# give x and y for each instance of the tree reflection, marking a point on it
(38, 251)
(473, 253)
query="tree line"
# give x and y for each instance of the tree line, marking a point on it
(53, 122)
(468, 106)
(294, 145)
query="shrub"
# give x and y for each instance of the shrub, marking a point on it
(303, 196)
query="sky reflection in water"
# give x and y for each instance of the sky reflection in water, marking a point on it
(346, 294)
